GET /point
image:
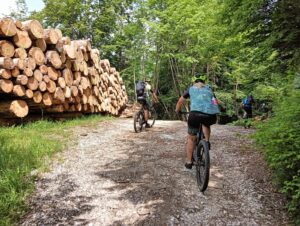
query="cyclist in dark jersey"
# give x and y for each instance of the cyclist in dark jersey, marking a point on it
(203, 110)
(146, 100)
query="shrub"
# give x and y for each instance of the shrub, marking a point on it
(279, 137)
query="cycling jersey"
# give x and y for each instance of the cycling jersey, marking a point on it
(202, 99)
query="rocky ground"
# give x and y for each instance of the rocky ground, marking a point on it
(113, 176)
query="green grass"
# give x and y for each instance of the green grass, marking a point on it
(25, 148)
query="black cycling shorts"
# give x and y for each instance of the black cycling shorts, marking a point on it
(143, 102)
(197, 118)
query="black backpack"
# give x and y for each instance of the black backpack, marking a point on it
(140, 88)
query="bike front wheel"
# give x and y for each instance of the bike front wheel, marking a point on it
(203, 165)
(152, 117)
(138, 121)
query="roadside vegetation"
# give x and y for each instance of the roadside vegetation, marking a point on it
(27, 149)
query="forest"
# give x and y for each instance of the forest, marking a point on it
(243, 46)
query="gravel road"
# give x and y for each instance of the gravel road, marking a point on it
(113, 176)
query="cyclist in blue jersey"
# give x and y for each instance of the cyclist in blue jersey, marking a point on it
(203, 111)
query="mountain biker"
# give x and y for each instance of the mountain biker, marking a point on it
(203, 110)
(146, 98)
(247, 106)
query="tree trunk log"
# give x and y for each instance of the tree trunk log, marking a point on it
(6, 63)
(7, 27)
(19, 90)
(34, 28)
(5, 73)
(41, 43)
(33, 84)
(7, 49)
(22, 40)
(37, 97)
(22, 80)
(51, 36)
(38, 55)
(54, 59)
(20, 53)
(6, 85)
(14, 108)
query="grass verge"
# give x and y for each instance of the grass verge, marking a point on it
(25, 148)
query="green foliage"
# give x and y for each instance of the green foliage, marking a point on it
(280, 139)
(24, 149)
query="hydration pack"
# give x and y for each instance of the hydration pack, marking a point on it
(140, 88)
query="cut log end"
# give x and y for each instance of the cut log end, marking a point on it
(19, 108)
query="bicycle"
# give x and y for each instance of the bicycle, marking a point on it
(201, 159)
(139, 119)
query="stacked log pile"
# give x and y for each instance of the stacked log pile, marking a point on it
(41, 70)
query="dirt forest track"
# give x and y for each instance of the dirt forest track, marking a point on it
(113, 176)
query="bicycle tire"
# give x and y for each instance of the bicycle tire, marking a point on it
(152, 118)
(203, 165)
(138, 121)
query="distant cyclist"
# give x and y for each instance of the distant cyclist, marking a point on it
(146, 96)
(247, 103)
(203, 110)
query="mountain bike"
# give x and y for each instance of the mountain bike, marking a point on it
(139, 119)
(201, 159)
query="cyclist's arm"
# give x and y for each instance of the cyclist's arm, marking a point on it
(181, 101)
(154, 97)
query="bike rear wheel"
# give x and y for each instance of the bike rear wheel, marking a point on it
(138, 121)
(152, 117)
(203, 165)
